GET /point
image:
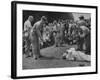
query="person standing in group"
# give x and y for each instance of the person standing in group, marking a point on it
(36, 36)
(84, 35)
(27, 28)
(54, 31)
(62, 32)
(59, 34)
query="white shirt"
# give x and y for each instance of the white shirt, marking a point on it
(27, 28)
(27, 25)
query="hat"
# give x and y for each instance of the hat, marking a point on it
(44, 18)
(81, 17)
(30, 17)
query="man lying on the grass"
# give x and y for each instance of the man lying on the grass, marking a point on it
(72, 54)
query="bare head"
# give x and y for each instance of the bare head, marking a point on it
(70, 50)
(54, 22)
(30, 18)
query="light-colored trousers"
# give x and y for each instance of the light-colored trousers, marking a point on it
(35, 44)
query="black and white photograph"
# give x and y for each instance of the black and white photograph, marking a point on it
(53, 39)
(56, 39)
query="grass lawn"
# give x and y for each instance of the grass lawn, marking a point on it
(52, 59)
